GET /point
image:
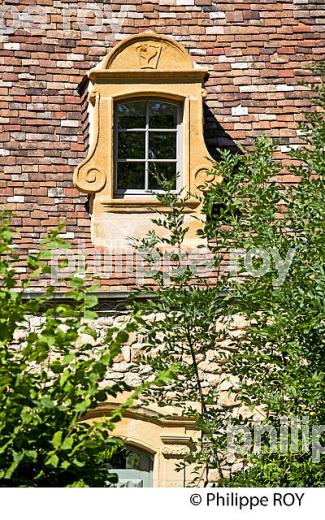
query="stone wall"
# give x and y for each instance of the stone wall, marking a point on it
(166, 432)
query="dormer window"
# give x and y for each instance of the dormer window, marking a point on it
(146, 126)
(148, 144)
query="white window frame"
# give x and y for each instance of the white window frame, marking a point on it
(179, 146)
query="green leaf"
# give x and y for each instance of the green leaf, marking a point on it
(67, 443)
(53, 461)
(57, 439)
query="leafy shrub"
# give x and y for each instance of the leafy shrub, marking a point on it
(48, 381)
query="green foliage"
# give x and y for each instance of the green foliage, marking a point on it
(49, 379)
(280, 361)
(178, 329)
(275, 234)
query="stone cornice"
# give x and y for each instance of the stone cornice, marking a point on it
(194, 75)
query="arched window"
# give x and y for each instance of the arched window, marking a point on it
(133, 467)
(148, 144)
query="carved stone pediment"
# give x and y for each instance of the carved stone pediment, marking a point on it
(148, 51)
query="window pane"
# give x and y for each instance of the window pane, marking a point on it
(130, 176)
(159, 172)
(162, 115)
(132, 115)
(131, 145)
(133, 460)
(162, 145)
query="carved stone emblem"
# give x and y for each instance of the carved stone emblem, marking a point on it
(175, 451)
(148, 55)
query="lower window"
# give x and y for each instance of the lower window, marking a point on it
(133, 467)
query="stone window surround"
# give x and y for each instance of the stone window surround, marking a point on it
(166, 436)
(151, 66)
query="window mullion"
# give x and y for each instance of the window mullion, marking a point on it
(179, 151)
(146, 182)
